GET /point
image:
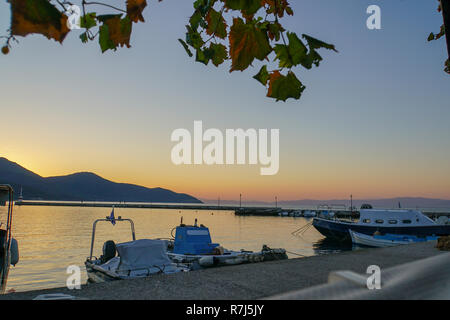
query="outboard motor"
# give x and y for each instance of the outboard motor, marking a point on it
(109, 251)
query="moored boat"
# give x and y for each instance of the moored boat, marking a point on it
(399, 222)
(129, 260)
(309, 214)
(386, 240)
(9, 249)
(193, 245)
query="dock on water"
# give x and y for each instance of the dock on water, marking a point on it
(249, 281)
(238, 210)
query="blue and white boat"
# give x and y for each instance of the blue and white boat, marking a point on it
(386, 240)
(397, 222)
(193, 245)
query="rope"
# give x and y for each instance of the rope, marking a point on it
(296, 254)
(302, 229)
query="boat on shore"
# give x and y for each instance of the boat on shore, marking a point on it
(129, 260)
(192, 244)
(386, 240)
(9, 249)
(397, 222)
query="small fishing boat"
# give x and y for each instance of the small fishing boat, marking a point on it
(9, 249)
(129, 260)
(193, 245)
(386, 240)
(398, 222)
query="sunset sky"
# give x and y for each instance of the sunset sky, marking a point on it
(374, 120)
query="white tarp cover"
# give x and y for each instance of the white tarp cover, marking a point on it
(142, 254)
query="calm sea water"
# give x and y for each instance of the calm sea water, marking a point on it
(52, 238)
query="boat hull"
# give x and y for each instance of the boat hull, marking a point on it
(231, 258)
(96, 275)
(339, 230)
(370, 241)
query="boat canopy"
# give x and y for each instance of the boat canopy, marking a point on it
(193, 240)
(140, 254)
(394, 217)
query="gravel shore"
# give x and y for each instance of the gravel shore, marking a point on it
(250, 281)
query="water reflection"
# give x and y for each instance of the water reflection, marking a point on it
(52, 238)
(329, 246)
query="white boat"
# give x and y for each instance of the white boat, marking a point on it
(387, 240)
(309, 214)
(130, 260)
(297, 213)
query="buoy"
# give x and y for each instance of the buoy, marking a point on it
(14, 252)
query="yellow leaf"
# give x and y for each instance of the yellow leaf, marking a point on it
(38, 16)
(135, 8)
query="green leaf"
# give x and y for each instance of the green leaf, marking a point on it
(195, 20)
(84, 37)
(88, 21)
(219, 53)
(313, 43)
(203, 6)
(194, 38)
(104, 39)
(275, 30)
(105, 17)
(292, 54)
(115, 32)
(216, 24)
(262, 76)
(185, 46)
(284, 87)
(247, 43)
(204, 55)
(248, 7)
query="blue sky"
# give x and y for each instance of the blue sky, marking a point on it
(373, 120)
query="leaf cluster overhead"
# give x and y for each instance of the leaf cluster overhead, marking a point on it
(241, 32)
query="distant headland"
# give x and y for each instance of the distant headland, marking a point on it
(83, 186)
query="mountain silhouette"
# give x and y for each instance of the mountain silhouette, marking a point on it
(82, 186)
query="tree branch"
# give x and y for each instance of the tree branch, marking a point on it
(445, 4)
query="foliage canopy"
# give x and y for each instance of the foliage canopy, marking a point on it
(239, 31)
